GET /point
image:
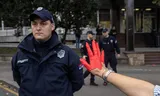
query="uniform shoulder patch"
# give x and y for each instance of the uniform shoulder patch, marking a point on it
(82, 46)
(80, 66)
(22, 61)
(115, 41)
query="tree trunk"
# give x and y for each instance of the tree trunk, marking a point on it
(63, 40)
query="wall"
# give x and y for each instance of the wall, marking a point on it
(141, 40)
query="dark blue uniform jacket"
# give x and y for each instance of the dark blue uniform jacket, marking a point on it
(56, 72)
(109, 45)
(83, 47)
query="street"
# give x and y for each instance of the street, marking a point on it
(147, 72)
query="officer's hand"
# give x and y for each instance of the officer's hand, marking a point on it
(96, 58)
(118, 55)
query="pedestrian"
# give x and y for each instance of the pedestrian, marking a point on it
(113, 32)
(110, 46)
(99, 32)
(85, 56)
(78, 36)
(43, 66)
(128, 85)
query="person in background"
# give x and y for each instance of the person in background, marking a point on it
(113, 32)
(78, 36)
(128, 85)
(85, 56)
(110, 46)
(99, 32)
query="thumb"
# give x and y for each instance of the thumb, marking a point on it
(84, 62)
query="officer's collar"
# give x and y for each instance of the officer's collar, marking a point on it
(106, 36)
(54, 40)
(89, 39)
(28, 45)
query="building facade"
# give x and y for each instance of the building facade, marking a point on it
(137, 22)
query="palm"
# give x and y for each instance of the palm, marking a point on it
(95, 62)
(96, 59)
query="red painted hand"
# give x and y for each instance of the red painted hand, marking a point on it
(96, 58)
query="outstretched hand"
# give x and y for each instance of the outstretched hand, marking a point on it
(96, 57)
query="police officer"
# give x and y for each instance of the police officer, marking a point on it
(85, 56)
(109, 45)
(43, 66)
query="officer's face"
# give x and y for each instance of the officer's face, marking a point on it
(105, 33)
(42, 30)
(90, 36)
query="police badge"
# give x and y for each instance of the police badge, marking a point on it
(61, 54)
(111, 41)
(39, 8)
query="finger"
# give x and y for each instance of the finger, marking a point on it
(94, 47)
(84, 62)
(103, 65)
(102, 56)
(104, 68)
(90, 53)
(98, 50)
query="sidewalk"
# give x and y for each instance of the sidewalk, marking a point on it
(146, 72)
(6, 73)
(143, 68)
(144, 49)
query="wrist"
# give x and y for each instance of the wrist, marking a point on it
(106, 74)
(103, 73)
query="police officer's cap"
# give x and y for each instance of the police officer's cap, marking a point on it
(90, 32)
(105, 30)
(43, 14)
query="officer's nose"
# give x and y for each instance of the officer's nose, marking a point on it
(38, 27)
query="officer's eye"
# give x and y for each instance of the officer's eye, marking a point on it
(44, 23)
(33, 23)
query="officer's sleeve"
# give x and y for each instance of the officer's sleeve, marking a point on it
(75, 71)
(116, 46)
(16, 74)
(83, 49)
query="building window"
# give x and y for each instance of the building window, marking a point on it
(105, 18)
(145, 20)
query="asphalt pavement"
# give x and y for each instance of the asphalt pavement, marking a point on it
(149, 73)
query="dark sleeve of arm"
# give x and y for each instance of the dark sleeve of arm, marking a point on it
(16, 74)
(83, 49)
(75, 71)
(116, 46)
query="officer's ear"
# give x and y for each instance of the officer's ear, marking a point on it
(53, 26)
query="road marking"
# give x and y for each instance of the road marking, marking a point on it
(145, 70)
(137, 69)
(9, 90)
